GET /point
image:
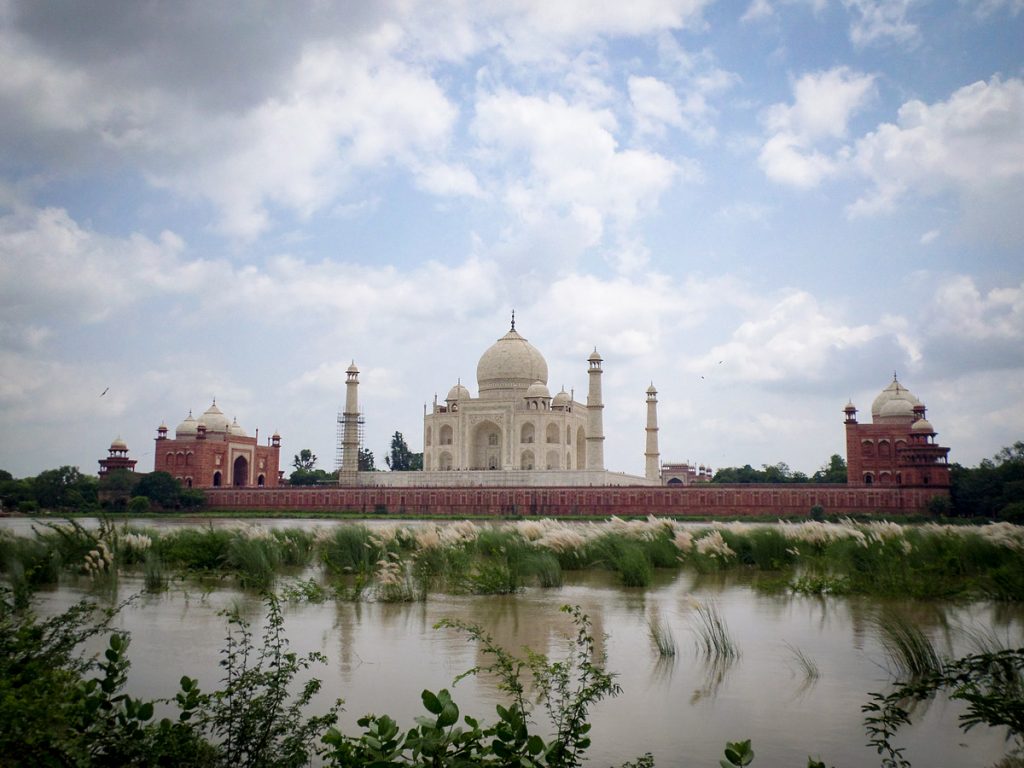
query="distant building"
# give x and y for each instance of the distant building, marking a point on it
(208, 452)
(898, 447)
(685, 474)
(117, 458)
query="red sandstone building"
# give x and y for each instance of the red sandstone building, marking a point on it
(208, 452)
(898, 447)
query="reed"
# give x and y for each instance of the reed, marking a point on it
(203, 549)
(714, 642)
(255, 560)
(350, 549)
(154, 576)
(909, 651)
(661, 635)
(805, 665)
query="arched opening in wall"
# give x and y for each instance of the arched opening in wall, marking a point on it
(445, 462)
(552, 434)
(867, 449)
(884, 478)
(883, 448)
(188, 458)
(526, 460)
(170, 460)
(216, 479)
(188, 482)
(568, 435)
(179, 460)
(485, 446)
(240, 472)
(674, 481)
(426, 437)
(528, 433)
(899, 478)
(261, 481)
(446, 435)
(868, 478)
(581, 449)
(568, 460)
(552, 461)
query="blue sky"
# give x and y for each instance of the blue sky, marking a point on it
(202, 200)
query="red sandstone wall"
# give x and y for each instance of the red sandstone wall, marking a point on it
(704, 500)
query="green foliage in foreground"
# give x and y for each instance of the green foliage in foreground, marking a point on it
(58, 708)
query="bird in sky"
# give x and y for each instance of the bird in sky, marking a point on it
(104, 391)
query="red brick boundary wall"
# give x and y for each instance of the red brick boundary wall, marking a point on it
(706, 500)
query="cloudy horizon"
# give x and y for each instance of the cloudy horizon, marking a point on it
(764, 208)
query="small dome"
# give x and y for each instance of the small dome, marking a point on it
(508, 364)
(214, 419)
(275, 436)
(924, 426)
(187, 428)
(458, 392)
(236, 430)
(118, 444)
(352, 368)
(561, 399)
(651, 390)
(537, 389)
(594, 356)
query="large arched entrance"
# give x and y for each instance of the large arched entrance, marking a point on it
(485, 451)
(240, 472)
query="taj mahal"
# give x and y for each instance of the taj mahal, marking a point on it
(512, 433)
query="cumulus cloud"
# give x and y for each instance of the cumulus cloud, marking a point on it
(972, 143)
(823, 103)
(757, 10)
(877, 21)
(570, 160)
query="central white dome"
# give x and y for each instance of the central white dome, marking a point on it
(510, 363)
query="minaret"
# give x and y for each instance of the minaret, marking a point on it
(350, 437)
(653, 468)
(595, 414)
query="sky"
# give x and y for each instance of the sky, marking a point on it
(765, 208)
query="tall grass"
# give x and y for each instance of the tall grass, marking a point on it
(255, 560)
(909, 651)
(714, 641)
(661, 635)
(350, 549)
(805, 665)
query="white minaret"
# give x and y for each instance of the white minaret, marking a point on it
(595, 414)
(350, 437)
(653, 468)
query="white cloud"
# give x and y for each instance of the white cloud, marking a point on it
(960, 309)
(822, 106)
(879, 21)
(972, 143)
(757, 10)
(655, 105)
(930, 236)
(571, 159)
(792, 338)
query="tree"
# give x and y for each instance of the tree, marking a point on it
(995, 488)
(161, 488)
(64, 487)
(305, 460)
(366, 460)
(833, 472)
(401, 458)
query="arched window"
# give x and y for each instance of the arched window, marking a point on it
(552, 433)
(867, 449)
(492, 440)
(216, 479)
(568, 435)
(526, 460)
(526, 434)
(883, 448)
(260, 481)
(446, 435)
(868, 478)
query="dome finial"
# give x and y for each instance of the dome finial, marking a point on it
(513, 319)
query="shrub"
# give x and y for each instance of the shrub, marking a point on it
(817, 513)
(139, 505)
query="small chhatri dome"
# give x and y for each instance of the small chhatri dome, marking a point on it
(924, 426)
(352, 368)
(538, 389)
(187, 428)
(214, 419)
(510, 363)
(595, 356)
(118, 444)
(236, 430)
(561, 400)
(458, 392)
(651, 390)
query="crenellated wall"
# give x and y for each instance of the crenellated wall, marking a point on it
(708, 500)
